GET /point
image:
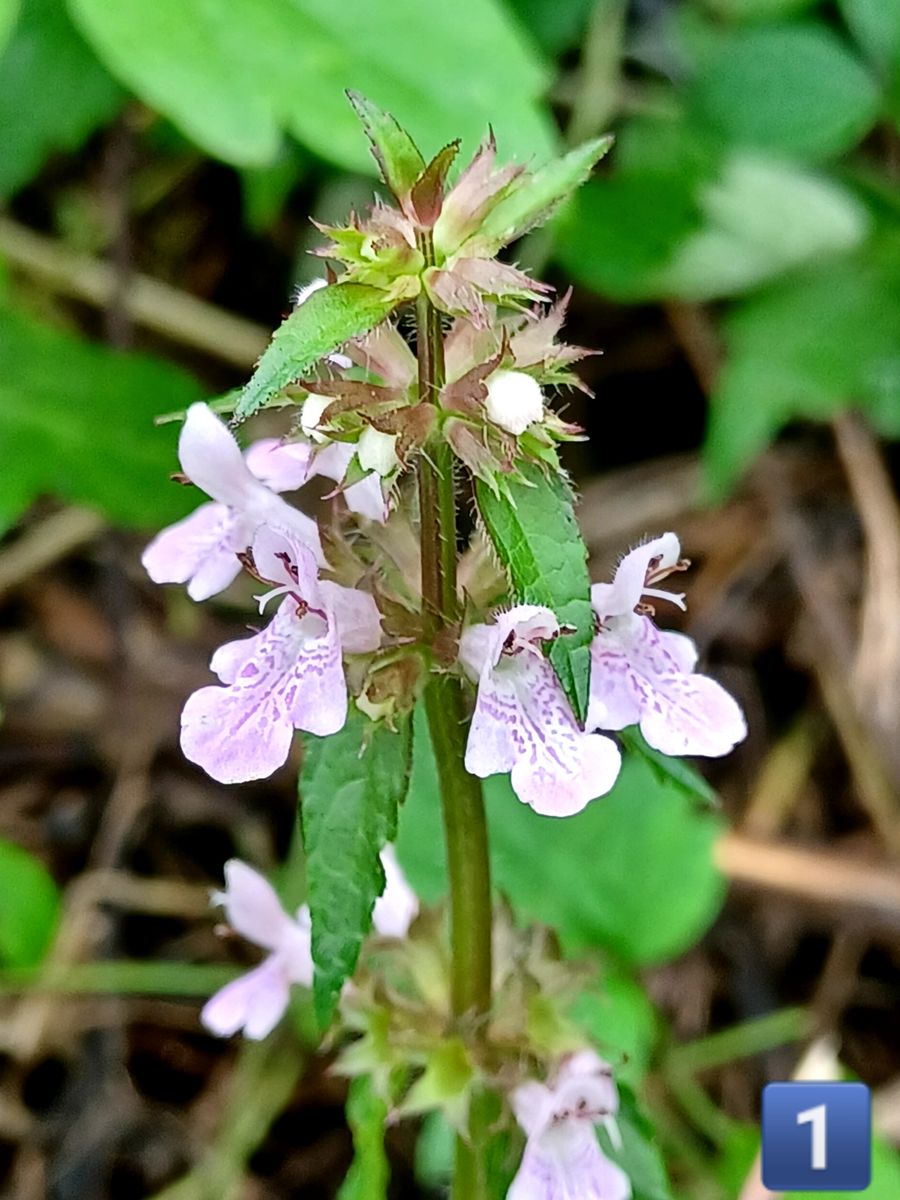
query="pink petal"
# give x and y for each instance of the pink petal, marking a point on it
(292, 679)
(523, 724)
(212, 459)
(357, 616)
(576, 1171)
(281, 466)
(296, 949)
(252, 907)
(199, 550)
(255, 1003)
(638, 676)
(628, 585)
(482, 645)
(285, 559)
(398, 905)
(333, 460)
(366, 497)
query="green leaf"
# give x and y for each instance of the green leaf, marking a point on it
(323, 322)
(350, 786)
(537, 539)
(758, 10)
(29, 907)
(875, 24)
(76, 422)
(397, 155)
(9, 12)
(638, 1156)
(235, 74)
(370, 1171)
(622, 1023)
(618, 234)
(535, 196)
(677, 770)
(808, 347)
(760, 219)
(632, 873)
(197, 61)
(796, 89)
(53, 91)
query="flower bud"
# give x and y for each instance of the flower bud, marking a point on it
(376, 451)
(311, 415)
(514, 400)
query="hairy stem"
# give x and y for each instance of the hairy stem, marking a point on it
(463, 806)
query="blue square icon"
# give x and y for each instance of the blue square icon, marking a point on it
(816, 1137)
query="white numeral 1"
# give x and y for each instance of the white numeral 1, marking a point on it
(816, 1118)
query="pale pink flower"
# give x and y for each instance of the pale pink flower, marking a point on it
(522, 721)
(202, 550)
(562, 1159)
(641, 675)
(257, 1000)
(289, 676)
(398, 905)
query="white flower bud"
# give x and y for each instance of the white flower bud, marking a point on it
(376, 451)
(514, 400)
(311, 415)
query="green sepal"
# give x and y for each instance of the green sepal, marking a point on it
(324, 321)
(397, 155)
(534, 532)
(350, 787)
(534, 197)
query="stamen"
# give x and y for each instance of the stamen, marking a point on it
(284, 590)
(676, 598)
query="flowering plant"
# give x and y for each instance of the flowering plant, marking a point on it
(516, 662)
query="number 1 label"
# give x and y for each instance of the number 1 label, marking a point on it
(816, 1137)
(818, 1119)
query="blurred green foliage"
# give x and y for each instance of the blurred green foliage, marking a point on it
(29, 907)
(755, 164)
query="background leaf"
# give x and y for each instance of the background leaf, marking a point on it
(350, 786)
(537, 539)
(76, 421)
(47, 66)
(9, 12)
(234, 73)
(326, 318)
(613, 876)
(29, 907)
(797, 89)
(810, 346)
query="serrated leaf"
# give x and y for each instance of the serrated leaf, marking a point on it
(76, 422)
(29, 907)
(397, 155)
(322, 322)
(53, 91)
(537, 539)
(350, 786)
(370, 1170)
(534, 197)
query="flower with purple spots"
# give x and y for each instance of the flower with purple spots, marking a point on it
(641, 675)
(202, 550)
(522, 721)
(289, 676)
(256, 1002)
(562, 1159)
